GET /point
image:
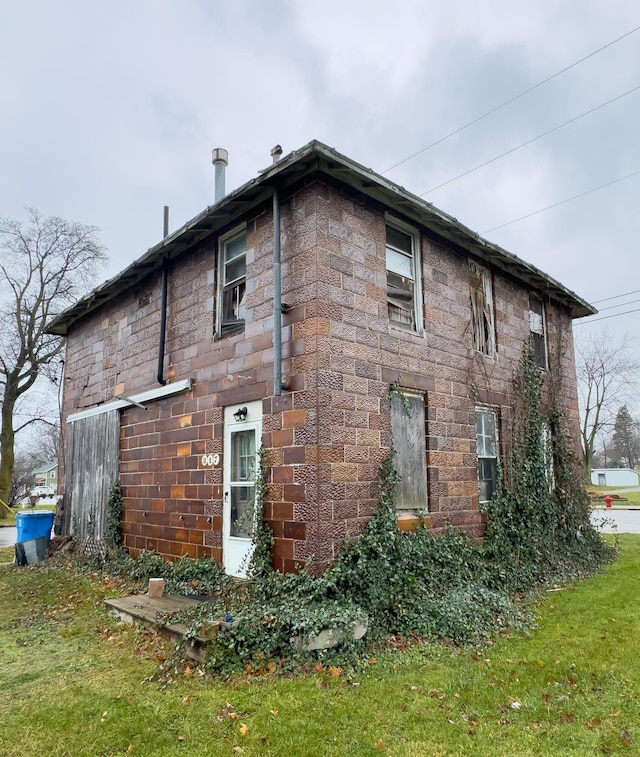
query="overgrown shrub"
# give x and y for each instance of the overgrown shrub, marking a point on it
(539, 525)
(408, 584)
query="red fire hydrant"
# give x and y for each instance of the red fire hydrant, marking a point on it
(607, 501)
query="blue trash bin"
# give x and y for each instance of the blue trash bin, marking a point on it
(34, 524)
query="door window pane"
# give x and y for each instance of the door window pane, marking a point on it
(243, 456)
(242, 511)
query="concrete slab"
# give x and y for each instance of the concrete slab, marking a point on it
(152, 612)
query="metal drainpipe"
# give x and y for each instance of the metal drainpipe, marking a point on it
(163, 306)
(277, 299)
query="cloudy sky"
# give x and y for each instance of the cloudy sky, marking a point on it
(110, 110)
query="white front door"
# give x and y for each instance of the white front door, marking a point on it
(242, 439)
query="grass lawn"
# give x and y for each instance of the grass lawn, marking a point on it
(74, 682)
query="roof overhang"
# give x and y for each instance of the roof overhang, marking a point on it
(320, 160)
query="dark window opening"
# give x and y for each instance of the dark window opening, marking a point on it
(537, 340)
(487, 448)
(233, 284)
(401, 279)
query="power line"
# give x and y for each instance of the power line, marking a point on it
(561, 202)
(533, 139)
(604, 318)
(513, 99)
(621, 305)
(617, 296)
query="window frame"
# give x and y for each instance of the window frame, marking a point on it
(484, 274)
(542, 333)
(546, 439)
(416, 261)
(481, 456)
(228, 327)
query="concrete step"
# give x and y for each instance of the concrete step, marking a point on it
(152, 612)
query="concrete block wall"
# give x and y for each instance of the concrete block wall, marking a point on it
(327, 433)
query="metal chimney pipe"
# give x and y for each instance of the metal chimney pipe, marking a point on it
(220, 159)
(276, 153)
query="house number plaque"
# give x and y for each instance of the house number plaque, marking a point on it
(211, 460)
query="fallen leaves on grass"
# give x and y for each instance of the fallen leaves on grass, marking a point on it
(228, 712)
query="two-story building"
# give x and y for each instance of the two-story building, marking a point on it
(280, 317)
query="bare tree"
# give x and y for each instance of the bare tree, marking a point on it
(22, 477)
(606, 373)
(46, 263)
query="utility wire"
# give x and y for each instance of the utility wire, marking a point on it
(604, 318)
(621, 305)
(508, 102)
(617, 296)
(530, 141)
(561, 202)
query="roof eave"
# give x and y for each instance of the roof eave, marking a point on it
(317, 157)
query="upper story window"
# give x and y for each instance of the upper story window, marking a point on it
(537, 340)
(480, 292)
(232, 282)
(404, 301)
(487, 448)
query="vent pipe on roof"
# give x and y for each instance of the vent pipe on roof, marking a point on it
(276, 153)
(220, 159)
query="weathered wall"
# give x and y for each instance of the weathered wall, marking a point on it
(326, 435)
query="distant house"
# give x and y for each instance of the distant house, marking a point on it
(46, 475)
(280, 318)
(614, 477)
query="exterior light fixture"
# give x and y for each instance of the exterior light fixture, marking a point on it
(241, 414)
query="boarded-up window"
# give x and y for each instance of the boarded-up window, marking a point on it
(537, 340)
(487, 447)
(409, 440)
(91, 468)
(482, 328)
(233, 283)
(402, 279)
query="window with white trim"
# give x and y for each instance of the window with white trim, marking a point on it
(481, 294)
(547, 451)
(487, 449)
(537, 338)
(232, 282)
(404, 291)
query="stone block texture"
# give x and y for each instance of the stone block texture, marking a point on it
(326, 434)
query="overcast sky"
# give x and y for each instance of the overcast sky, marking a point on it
(110, 111)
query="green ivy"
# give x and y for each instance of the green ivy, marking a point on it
(412, 584)
(538, 523)
(113, 517)
(261, 562)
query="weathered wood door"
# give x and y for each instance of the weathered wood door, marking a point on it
(91, 468)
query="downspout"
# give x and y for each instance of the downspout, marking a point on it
(163, 306)
(278, 307)
(277, 299)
